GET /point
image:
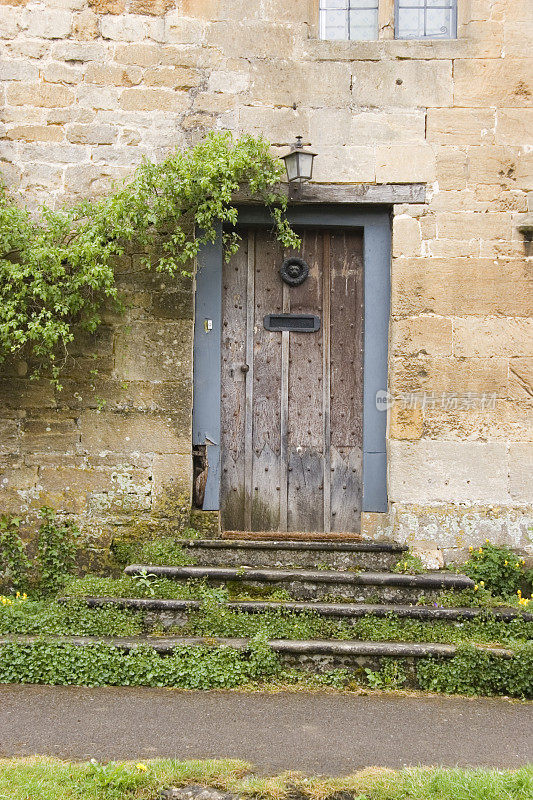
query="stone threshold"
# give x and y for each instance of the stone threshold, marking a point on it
(232, 539)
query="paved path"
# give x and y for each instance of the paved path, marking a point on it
(311, 732)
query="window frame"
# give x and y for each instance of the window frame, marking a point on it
(453, 31)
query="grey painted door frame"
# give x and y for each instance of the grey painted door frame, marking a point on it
(375, 224)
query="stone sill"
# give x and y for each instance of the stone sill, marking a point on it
(380, 50)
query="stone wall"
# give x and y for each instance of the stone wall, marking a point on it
(90, 86)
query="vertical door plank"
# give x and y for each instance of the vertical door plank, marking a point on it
(267, 370)
(305, 411)
(347, 309)
(326, 377)
(233, 416)
(249, 382)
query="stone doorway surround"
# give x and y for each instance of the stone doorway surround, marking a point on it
(365, 205)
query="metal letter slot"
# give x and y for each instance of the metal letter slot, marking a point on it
(297, 323)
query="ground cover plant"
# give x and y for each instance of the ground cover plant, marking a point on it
(218, 667)
(214, 618)
(41, 778)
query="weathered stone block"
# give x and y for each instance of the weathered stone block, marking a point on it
(422, 334)
(277, 124)
(108, 6)
(92, 180)
(403, 83)
(171, 475)
(57, 72)
(424, 373)
(348, 164)
(18, 71)
(521, 379)
(448, 472)
(48, 23)
(126, 432)
(153, 100)
(483, 419)
(473, 337)
(455, 225)
(153, 350)
(406, 236)
(36, 133)
(282, 83)
(203, 9)
(105, 75)
(156, 8)
(78, 51)
(43, 95)
(9, 439)
(143, 55)
(172, 77)
(405, 163)
(132, 28)
(492, 82)
(460, 125)
(459, 286)
(405, 423)
(91, 134)
(85, 26)
(57, 434)
(520, 471)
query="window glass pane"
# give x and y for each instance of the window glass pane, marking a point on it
(425, 19)
(327, 4)
(349, 19)
(439, 23)
(364, 24)
(334, 25)
(410, 23)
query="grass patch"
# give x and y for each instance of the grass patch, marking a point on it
(49, 779)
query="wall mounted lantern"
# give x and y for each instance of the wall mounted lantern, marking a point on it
(299, 162)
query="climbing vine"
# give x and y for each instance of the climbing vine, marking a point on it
(57, 271)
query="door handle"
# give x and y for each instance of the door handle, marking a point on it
(245, 368)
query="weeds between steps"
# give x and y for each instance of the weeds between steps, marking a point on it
(214, 618)
(469, 672)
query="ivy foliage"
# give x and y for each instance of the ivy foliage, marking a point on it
(14, 563)
(57, 271)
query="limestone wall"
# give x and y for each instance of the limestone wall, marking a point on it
(90, 86)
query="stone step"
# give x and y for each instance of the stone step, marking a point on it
(303, 584)
(337, 555)
(317, 655)
(175, 612)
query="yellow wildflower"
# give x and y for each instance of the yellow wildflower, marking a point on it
(480, 550)
(476, 587)
(505, 562)
(482, 583)
(470, 548)
(141, 767)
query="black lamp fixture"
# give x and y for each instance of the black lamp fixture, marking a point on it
(299, 162)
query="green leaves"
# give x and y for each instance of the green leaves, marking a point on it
(104, 665)
(57, 273)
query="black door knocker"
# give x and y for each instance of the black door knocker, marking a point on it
(294, 271)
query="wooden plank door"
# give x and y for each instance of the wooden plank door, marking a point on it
(292, 401)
